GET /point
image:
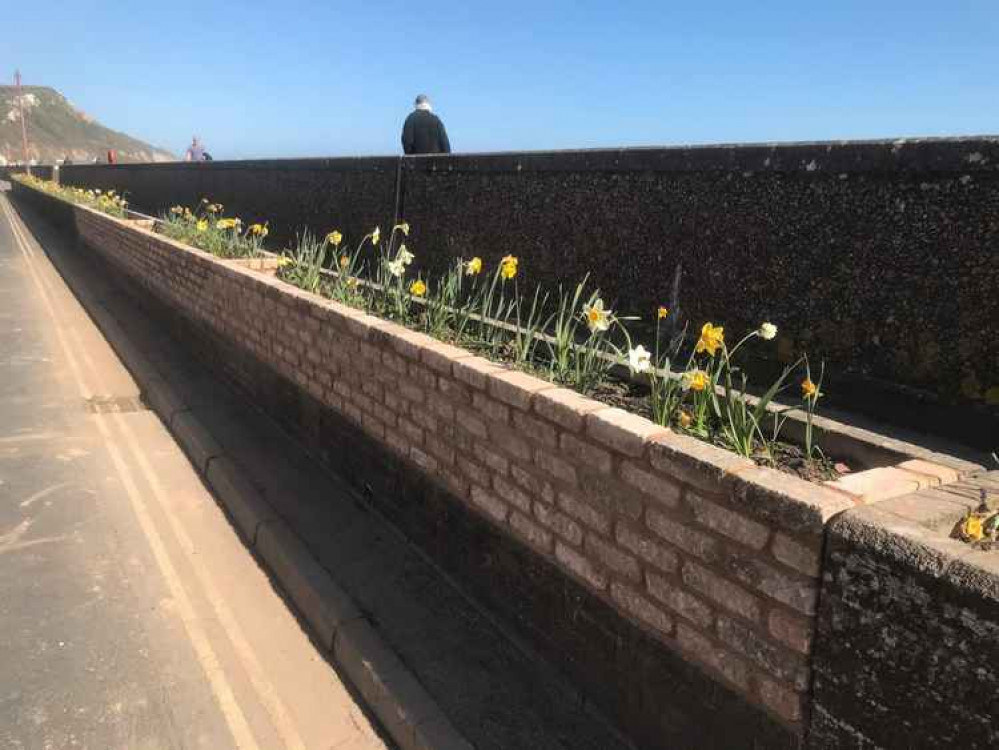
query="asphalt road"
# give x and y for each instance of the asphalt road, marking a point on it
(131, 614)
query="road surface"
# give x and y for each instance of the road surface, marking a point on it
(131, 614)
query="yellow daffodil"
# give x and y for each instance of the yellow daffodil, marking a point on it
(473, 267)
(334, 238)
(662, 312)
(418, 288)
(352, 282)
(712, 338)
(177, 210)
(685, 419)
(214, 208)
(972, 528)
(202, 225)
(508, 267)
(259, 230)
(283, 261)
(597, 318)
(696, 380)
(404, 228)
(809, 389)
(376, 235)
(225, 224)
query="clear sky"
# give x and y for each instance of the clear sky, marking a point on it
(294, 78)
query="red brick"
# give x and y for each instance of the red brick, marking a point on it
(713, 655)
(727, 522)
(565, 408)
(516, 388)
(586, 453)
(512, 493)
(664, 491)
(613, 558)
(474, 471)
(560, 523)
(583, 511)
(796, 591)
(622, 431)
(671, 593)
(680, 535)
(468, 420)
(580, 566)
(536, 429)
(555, 467)
(531, 532)
(722, 592)
(510, 442)
(778, 698)
(647, 548)
(490, 410)
(440, 356)
(804, 557)
(637, 605)
(474, 371)
(792, 630)
(489, 504)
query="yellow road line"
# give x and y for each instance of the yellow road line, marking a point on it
(238, 725)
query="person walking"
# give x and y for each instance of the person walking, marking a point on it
(195, 152)
(423, 131)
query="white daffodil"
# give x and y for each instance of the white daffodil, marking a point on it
(396, 267)
(405, 257)
(639, 359)
(597, 318)
(767, 331)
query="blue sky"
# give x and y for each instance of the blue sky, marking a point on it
(269, 79)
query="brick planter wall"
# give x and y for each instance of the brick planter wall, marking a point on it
(677, 580)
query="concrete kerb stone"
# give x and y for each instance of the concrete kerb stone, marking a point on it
(197, 442)
(245, 504)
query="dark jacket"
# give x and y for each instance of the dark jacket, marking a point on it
(424, 133)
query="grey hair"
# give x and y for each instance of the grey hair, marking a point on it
(422, 99)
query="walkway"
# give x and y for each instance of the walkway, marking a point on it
(131, 614)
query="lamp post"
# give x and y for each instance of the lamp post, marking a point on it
(24, 127)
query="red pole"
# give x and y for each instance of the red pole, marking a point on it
(24, 128)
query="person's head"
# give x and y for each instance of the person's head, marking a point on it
(195, 141)
(423, 102)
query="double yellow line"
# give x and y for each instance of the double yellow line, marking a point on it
(235, 718)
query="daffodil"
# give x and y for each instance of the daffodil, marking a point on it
(283, 261)
(202, 225)
(809, 390)
(696, 380)
(685, 419)
(404, 228)
(418, 288)
(225, 224)
(334, 238)
(473, 267)
(767, 331)
(597, 318)
(396, 268)
(405, 256)
(376, 235)
(712, 338)
(259, 230)
(177, 210)
(662, 312)
(344, 261)
(639, 360)
(508, 267)
(971, 528)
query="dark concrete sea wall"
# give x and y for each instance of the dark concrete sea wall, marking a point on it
(352, 195)
(41, 171)
(907, 650)
(875, 256)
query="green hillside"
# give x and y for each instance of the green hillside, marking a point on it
(57, 129)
